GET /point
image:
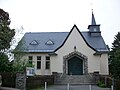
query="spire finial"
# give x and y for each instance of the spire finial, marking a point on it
(91, 6)
(92, 10)
(93, 22)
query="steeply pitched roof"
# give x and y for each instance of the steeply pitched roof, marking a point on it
(58, 39)
(93, 22)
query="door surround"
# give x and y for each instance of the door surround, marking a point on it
(75, 54)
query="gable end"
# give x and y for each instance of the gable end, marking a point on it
(69, 35)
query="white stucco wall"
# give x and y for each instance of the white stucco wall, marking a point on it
(41, 71)
(75, 39)
(104, 70)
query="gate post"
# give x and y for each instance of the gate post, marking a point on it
(21, 81)
(45, 85)
(68, 86)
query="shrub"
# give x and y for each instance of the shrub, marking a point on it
(101, 84)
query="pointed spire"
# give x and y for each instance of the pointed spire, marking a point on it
(94, 28)
(93, 22)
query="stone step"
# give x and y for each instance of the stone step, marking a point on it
(73, 79)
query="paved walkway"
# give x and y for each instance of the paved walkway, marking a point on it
(75, 87)
(6, 88)
(64, 87)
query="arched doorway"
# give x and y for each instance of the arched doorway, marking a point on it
(75, 66)
(75, 63)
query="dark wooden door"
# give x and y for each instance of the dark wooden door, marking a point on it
(75, 66)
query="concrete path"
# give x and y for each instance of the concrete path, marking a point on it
(6, 88)
(64, 87)
(75, 87)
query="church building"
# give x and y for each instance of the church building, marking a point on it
(69, 53)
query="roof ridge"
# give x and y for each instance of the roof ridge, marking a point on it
(45, 32)
(51, 32)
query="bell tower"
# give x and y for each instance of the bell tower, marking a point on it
(94, 28)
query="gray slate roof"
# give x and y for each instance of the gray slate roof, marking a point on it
(42, 37)
(58, 38)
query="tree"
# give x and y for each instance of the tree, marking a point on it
(6, 36)
(5, 65)
(115, 57)
(20, 62)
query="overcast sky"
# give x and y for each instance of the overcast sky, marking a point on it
(61, 15)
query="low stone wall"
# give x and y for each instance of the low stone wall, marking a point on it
(8, 79)
(38, 81)
(13, 80)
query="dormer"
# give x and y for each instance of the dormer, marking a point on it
(94, 28)
(34, 42)
(49, 42)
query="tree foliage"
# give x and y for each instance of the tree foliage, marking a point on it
(5, 65)
(115, 57)
(6, 35)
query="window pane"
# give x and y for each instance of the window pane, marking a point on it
(30, 62)
(38, 57)
(47, 64)
(47, 57)
(38, 64)
(30, 57)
